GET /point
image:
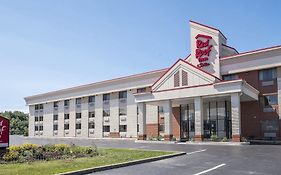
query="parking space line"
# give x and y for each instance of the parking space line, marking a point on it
(202, 150)
(211, 169)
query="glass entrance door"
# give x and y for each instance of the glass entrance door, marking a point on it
(187, 122)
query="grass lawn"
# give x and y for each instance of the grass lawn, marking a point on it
(109, 156)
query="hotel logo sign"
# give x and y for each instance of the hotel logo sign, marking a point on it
(203, 49)
(4, 132)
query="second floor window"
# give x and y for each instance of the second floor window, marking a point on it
(55, 117)
(55, 127)
(78, 115)
(92, 125)
(267, 74)
(91, 114)
(269, 100)
(78, 125)
(40, 118)
(66, 116)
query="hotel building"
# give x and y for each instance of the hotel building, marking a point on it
(214, 91)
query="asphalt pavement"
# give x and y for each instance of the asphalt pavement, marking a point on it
(200, 159)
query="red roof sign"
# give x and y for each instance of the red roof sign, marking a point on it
(4, 132)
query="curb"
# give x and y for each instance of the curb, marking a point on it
(120, 165)
(195, 143)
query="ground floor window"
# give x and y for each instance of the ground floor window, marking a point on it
(66, 126)
(106, 128)
(123, 128)
(270, 128)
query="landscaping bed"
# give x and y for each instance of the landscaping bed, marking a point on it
(53, 159)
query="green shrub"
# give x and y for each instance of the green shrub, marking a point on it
(32, 152)
(224, 139)
(160, 137)
(214, 138)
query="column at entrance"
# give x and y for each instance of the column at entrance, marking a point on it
(236, 117)
(167, 110)
(142, 121)
(198, 108)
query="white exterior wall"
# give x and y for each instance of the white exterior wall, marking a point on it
(98, 117)
(72, 118)
(114, 112)
(61, 119)
(198, 109)
(236, 114)
(48, 120)
(151, 114)
(84, 117)
(31, 129)
(131, 115)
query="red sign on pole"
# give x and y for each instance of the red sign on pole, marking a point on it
(203, 50)
(4, 132)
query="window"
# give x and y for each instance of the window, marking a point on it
(161, 128)
(184, 78)
(106, 112)
(91, 114)
(41, 106)
(122, 128)
(55, 127)
(269, 100)
(92, 99)
(56, 104)
(122, 94)
(267, 74)
(92, 125)
(36, 118)
(141, 90)
(122, 110)
(270, 126)
(106, 128)
(78, 115)
(230, 77)
(138, 128)
(66, 116)
(36, 128)
(106, 105)
(66, 103)
(41, 128)
(36, 107)
(78, 101)
(160, 110)
(106, 97)
(55, 117)
(78, 125)
(177, 79)
(66, 126)
(40, 118)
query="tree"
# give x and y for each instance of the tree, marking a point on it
(18, 122)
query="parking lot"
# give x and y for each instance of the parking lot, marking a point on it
(200, 159)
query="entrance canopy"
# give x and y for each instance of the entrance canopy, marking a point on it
(184, 80)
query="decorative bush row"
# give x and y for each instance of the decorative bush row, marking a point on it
(32, 152)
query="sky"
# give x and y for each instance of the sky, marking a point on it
(50, 45)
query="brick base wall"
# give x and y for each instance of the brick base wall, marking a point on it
(114, 135)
